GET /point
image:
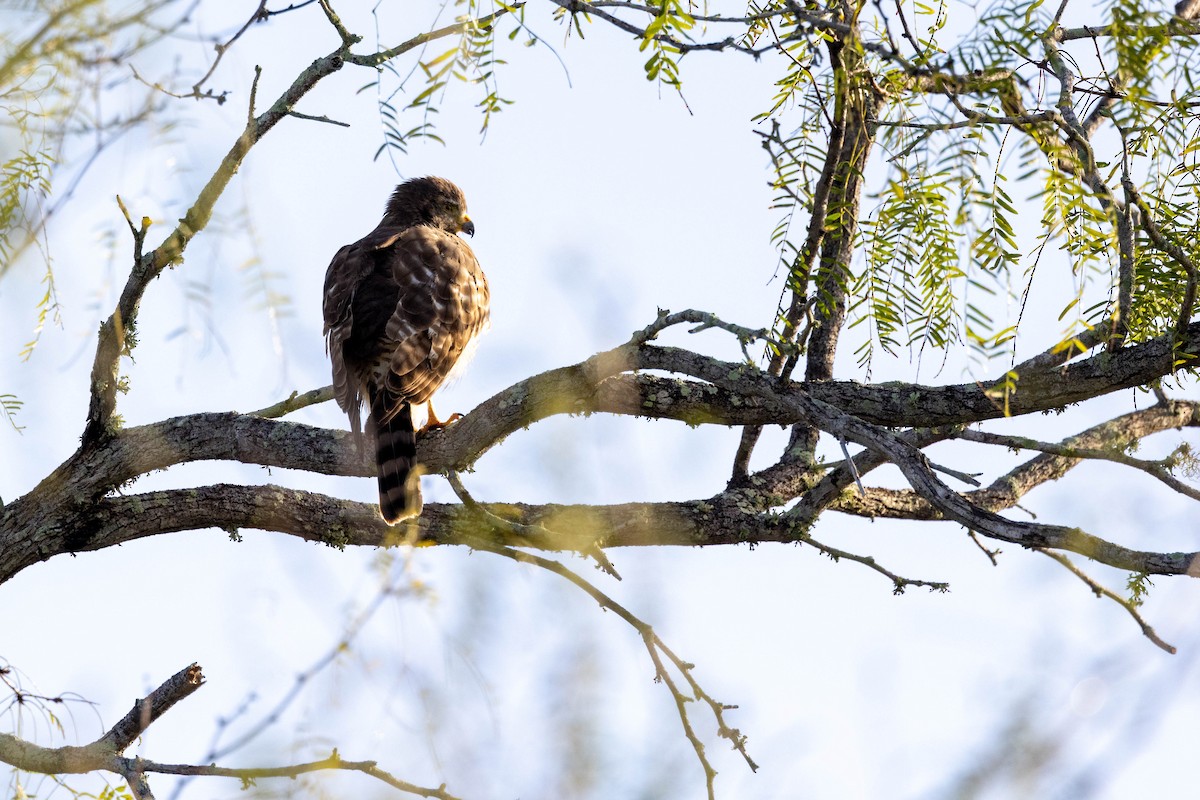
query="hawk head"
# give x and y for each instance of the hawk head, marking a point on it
(430, 201)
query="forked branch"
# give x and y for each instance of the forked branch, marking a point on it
(105, 754)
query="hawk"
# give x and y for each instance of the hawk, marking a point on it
(401, 306)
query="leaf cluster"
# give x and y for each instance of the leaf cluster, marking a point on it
(471, 59)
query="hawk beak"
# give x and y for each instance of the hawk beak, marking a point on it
(468, 227)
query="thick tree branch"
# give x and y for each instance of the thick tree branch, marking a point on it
(733, 394)
(580, 528)
(67, 512)
(862, 101)
(799, 276)
(915, 467)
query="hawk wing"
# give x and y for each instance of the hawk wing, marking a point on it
(350, 268)
(400, 306)
(442, 306)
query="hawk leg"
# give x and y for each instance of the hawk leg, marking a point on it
(434, 423)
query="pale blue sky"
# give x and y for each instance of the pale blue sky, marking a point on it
(595, 204)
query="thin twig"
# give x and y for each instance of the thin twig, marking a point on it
(292, 7)
(991, 554)
(348, 38)
(333, 762)
(375, 59)
(899, 583)
(705, 321)
(139, 233)
(294, 402)
(302, 679)
(259, 15)
(1101, 591)
(849, 462)
(653, 643)
(537, 535)
(970, 478)
(1156, 469)
(321, 118)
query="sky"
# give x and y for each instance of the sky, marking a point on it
(597, 200)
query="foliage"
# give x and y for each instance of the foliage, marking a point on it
(53, 57)
(470, 60)
(10, 405)
(941, 249)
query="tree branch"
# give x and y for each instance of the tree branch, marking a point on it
(1112, 452)
(486, 539)
(1008, 489)
(118, 332)
(70, 510)
(104, 754)
(145, 711)
(1101, 591)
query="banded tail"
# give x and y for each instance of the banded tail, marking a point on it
(395, 458)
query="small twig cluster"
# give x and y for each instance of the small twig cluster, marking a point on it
(484, 538)
(105, 753)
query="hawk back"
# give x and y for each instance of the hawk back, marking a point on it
(401, 307)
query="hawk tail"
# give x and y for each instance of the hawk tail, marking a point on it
(395, 457)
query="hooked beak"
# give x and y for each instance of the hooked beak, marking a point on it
(468, 227)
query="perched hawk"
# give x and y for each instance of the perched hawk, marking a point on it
(401, 306)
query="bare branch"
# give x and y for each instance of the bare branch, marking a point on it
(154, 705)
(259, 15)
(800, 273)
(483, 537)
(1156, 469)
(333, 762)
(321, 118)
(104, 754)
(1101, 591)
(705, 321)
(899, 584)
(1007, 490)
(113, 339)
(348, 39)
(48, 521)
(294, 402)
(991, 554)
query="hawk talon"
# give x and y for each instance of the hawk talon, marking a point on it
(435, 424)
